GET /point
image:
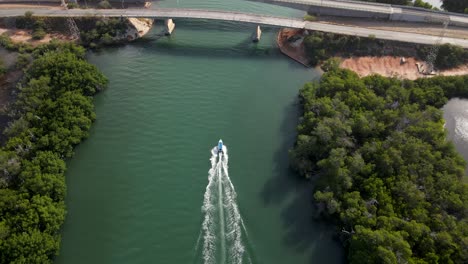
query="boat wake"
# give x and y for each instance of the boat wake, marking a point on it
(222, 227)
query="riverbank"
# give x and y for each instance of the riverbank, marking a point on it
(20, 40)
(292, 46)
(50, 116)
(135, 28)
(339, 149)
(138, 27)
(390, 64)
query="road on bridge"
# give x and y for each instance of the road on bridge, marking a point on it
(258, 19)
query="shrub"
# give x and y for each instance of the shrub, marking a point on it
(38, 34)
(23, 60)
(73, 5)
(331, 64)
(106, 39)
(310, 18)
(104, 5)
(26, 21)
(6, 42)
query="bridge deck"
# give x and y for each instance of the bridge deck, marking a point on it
(258, 19)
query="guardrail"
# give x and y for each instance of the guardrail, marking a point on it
(334, 4)
(324, 3)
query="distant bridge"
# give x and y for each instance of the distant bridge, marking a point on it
(257, 19)
(349, 8)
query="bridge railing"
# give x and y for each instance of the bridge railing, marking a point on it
(389, 6)
(335, 4)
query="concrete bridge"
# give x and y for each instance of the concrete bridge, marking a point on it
(349, 8)
(256, 19)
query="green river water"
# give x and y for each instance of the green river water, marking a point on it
(136, 186)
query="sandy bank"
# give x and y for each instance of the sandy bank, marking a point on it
(385, 66)
(392, 67)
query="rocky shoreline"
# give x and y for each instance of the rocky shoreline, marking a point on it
(292, 46)
(138, 27)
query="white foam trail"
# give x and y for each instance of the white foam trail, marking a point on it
(236, 250)
(208, 225)
(221, 210)
(234, 191)
(227, 219)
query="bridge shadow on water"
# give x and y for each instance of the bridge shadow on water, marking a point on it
(305, 233)
(229, 46)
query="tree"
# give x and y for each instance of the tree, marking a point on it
(450, 56)
(331, 64)
(385, 170)
(68, 73)
(458, 6)
(38, 34)
(104, 5)
(421, 3)
(23, 60)
(53, 113)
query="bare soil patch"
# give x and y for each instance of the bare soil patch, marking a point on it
(392, 67)
(386, 66)
(23, 35)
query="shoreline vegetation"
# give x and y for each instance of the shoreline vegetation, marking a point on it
(47, 110)
(367, 56)
(385, 174)
(94, 32)
(53, 112)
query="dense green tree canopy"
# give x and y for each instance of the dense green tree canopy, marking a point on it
(386, 173)
(53, 113)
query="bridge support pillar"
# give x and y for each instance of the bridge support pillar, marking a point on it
(257, 34)
(170, 26)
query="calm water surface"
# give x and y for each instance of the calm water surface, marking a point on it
(456, 123)
(135, 187)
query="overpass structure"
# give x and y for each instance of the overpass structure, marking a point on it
(256, 19)
(349, 8)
